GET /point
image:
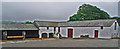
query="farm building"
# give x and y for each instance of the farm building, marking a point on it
(19, 31)
(107, 28)
(119, 27)
(76, 29)
(47, 29)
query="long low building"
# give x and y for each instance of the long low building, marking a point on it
(107, 28)
(19, 31)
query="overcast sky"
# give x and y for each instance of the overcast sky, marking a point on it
(60, 0)
(49, 11)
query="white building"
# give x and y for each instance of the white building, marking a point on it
(76, 29)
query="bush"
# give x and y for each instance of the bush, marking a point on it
(85, 36)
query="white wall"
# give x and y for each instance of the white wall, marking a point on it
(106, 32)
(115, 31)
(44, 30)
(119, 31)
(77, 31)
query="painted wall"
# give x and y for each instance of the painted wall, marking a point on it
(106, 32)
(45, 30)
(119, 31)
(115, 32)
(78, 31)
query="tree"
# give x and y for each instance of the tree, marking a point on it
(89, 12)
(115, 18)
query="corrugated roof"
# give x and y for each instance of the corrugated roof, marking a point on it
(91, 23)
(45, 23)
(15, 26)
(88, 23)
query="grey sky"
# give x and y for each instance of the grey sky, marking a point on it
(53, 11)
(60, 0)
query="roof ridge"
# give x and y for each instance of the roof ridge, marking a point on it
(94, 20)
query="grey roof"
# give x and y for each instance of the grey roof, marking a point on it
(88, 23)
(45, 23)
(15, 26)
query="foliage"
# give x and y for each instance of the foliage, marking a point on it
(28, 22)
(115, 18)
(89, 12)
(86, 36)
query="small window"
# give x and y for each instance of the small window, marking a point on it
(115, 25)
(101, 27)
(47, 28)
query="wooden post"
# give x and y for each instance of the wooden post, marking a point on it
(58, 32)
(5, 35)
(54, 30)
(58, 35)
(40, 34)
(23, 34)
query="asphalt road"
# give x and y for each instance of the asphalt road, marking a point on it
(65, 43)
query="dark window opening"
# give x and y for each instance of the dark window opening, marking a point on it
(54, 28)
(47, 28)
(58, 29)
(101, 27)
(14, 33)
(32, 34)
(115, 25)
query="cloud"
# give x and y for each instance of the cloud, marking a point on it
(60, 0)
(54, 11)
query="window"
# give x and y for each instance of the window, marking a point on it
(101, 27)
(115, 25)
(47, 28)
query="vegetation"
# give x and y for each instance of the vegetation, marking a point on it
(89, 12)
(115, 18)
(84, 36)
(28, 22)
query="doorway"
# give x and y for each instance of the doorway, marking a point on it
(51, 35)
(96, 34)
(44, 35)
(70, 33)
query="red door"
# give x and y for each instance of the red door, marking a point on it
(70, 33)
(96, 33)
(58, 29)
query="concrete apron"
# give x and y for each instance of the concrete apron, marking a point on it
(25, 40)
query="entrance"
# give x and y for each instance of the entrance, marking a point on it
(70, 33)
(44, 35)
(50, 35)
(96, 34)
